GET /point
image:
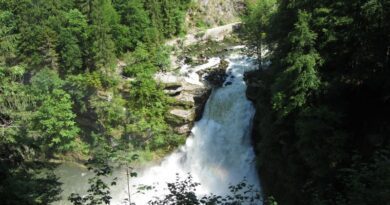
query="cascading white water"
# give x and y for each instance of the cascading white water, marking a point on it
(219, 152)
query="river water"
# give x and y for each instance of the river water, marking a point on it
(217, 154)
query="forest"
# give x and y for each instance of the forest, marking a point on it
(322, 125)
(76, 83)
(61, 96)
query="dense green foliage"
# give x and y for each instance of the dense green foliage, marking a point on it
(322, 127)
(182, 191)
(322, 95)
(256, 21)
(64, 94)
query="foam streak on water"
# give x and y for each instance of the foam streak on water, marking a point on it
(219, 152)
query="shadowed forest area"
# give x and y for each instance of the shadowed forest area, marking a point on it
(322, 128)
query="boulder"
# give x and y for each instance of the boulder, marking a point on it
(216, 76)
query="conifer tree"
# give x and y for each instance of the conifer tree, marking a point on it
(103, 17)
(72, 41)
(300, 77)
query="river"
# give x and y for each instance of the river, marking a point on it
(217, 154)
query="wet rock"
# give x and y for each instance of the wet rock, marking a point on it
(252, 93)
(200, 99)
(188, 60)
(253, 84)
(189, 107)
(228, 83)
(189, 97)
(215, 76)
(223, 65)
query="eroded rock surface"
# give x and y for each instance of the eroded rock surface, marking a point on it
(190, 92)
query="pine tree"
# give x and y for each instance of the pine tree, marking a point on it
(257, 24)
(72, 40)
(300, 78)
(85, 6)
(135, 18)
(8, 36)
(103, 17)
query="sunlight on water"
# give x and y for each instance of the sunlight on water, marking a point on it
(219, 152)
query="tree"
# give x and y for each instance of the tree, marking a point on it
(257, 23)
(135, 18)
(24, 178)
(72, 40)
(44, 83)
(319, 119)
(55, 121)
(38, 23)
(8, 37)
(300, 78)
(154, 9)
(56, 60)
(183, 191)
(85, 6)
(103, 17)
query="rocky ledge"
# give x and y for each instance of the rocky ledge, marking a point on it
(194, 72)
(215, 77)
(190, 88)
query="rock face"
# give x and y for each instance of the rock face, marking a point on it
(190, 92)
(200, 102)
(215, 77)
(197, 68)
(214, 34)
(253, 85)
(213, 13)
(184, 114)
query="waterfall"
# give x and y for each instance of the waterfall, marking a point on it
(217, 154)
(219, 151)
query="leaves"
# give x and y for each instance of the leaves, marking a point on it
(300, 78)
(317, 118)
(55, 120)
(184, 192)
